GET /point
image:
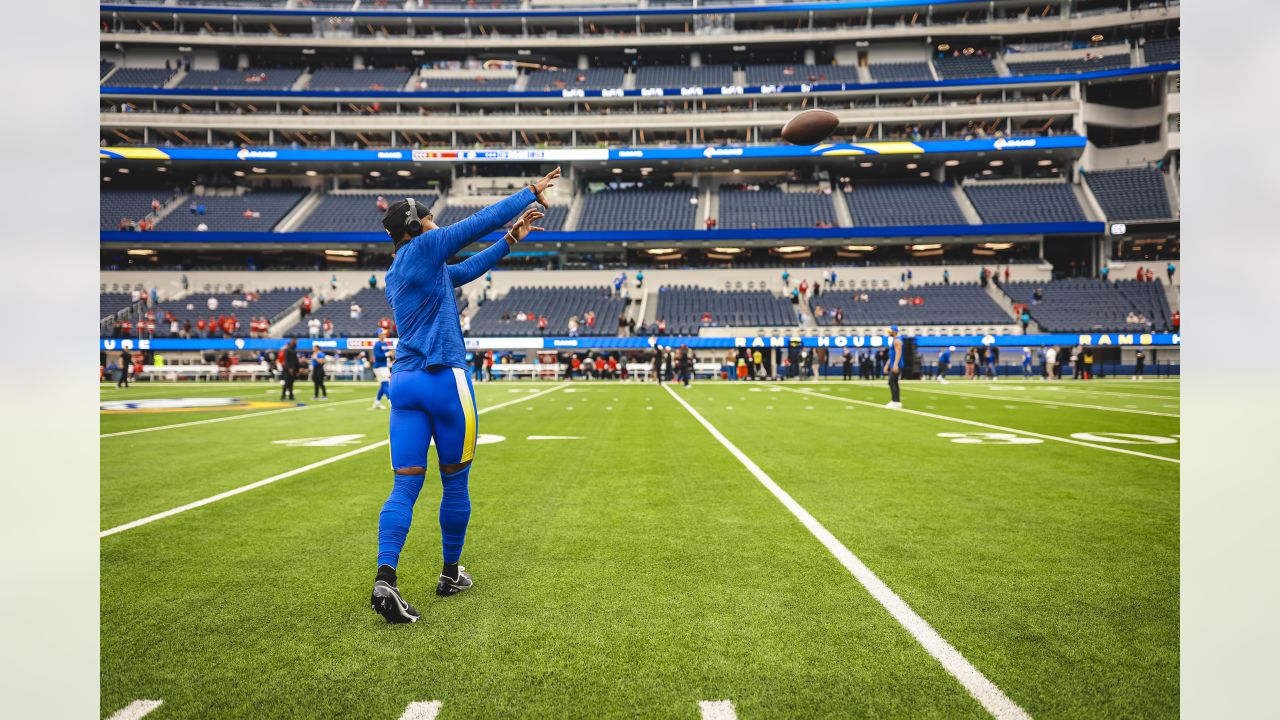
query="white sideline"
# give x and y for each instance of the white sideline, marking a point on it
(136, 709)
(421, 710)
(291, 473)
(717, 710)
(989, 426)
(982, 689)
(1012, 398)
(1067, 390)
(228, 418)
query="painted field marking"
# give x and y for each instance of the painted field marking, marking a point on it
(1009, 398)
(717, 710)
(136, 709)
(1110, 393)
(989, 426)
(422, 710)
(229, 418)
(289, 474)
(977, 684)
(555, 437)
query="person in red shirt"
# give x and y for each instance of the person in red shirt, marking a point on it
(328, 327)
(662, 326)
(488, 365)
(1141, 276)
(599, 367)
(542, 324)
(1176, 320)
(200, 325)
(613, 366)
(306, 305)
(804, 287)
(385, 324)
(126, 328)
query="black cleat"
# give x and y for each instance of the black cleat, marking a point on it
(452, 586)
(388, 603)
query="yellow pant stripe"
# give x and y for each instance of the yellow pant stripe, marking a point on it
(468, 412)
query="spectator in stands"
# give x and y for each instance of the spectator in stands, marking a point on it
(662, 326)
(946, 277)
(639, 279)
(786, 279)
(983, 274)
(573, 326)
(1141, 275)
(185, 332)
(1025, 318)
(1170, 269)
(356, 310)
(327, 327)
(373, 281)
(313, 327)
(804, 288)
(1037, 296)
(186, 284)
(1150, 275)
(1176, 321)
(542, 324)
(381, 204)
(306, 305)
(466, 324)
(1006, 274)
(202, 228)
(192, 206)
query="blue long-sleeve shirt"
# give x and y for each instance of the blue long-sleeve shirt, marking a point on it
(420, 285)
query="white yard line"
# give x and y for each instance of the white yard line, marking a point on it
(989, 426)
(136, 709)
(422, 710)
(1108, 393)
(717, 710)
(289, 474)
(229, 418)
(1007, 397)
(977, 684)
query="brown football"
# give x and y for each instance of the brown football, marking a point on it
(810, 127)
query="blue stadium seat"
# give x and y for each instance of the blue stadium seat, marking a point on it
(1051, 67)
(954, 304)
(356, 212)
(1130, 193)
(225, 213)
(665, 208)
(900, 71)
(1163, 51)
(453, 212)
(328, 79)
(139, 77)
(670, 76)
(557, 304)
(683, 307)
(772, 208)
(965, 66)
(1090, 305)
(247, 79)
(883, 204)
(1025, 202)
(565, 79)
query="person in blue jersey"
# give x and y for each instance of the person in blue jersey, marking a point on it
(944, 363)
(893, 367)
(431, 393)
(382, 358)
(318, 392)
(1026, 363)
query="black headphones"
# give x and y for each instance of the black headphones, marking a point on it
(412, 223)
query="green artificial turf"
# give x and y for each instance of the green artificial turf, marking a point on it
(641, 568)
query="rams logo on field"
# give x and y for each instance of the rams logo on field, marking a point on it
(163, 405)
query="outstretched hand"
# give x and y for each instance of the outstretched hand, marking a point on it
(540, 187)
(524, 224)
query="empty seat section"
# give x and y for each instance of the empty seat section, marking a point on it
(666, 208)
(247, 79)
(1090, 305)
(1025, 202)
(356, 212)
(328, 79)
(773, 208)
(900, 72)
(498, 317)
(1130, 193)
(683, 307)
(926, 203)
(226, 213)
(954, 304)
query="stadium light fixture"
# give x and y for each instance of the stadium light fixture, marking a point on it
(660, 251)
(951, 163)
(375, 174)
(728, 250)
(1096, 38)
(1044, 163)
(927, 246)
(161, 168)
(997, 246)
(925, 173)
(341, 253)
(864, 164)
(617, 171)
(737, 171)
(987, 171)
(123, 170)
(944, 47)
(791, 249)
(140, 251)
(259, 170)
(912, 166)
(860, 248)
(996, 163)
(106, 178)
(309, 173)
(403, 173)
(238, 173)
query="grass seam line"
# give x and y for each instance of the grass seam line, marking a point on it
(983, 690)
(989, 426)
(290, 473)
(228, 418)
(1037, 401)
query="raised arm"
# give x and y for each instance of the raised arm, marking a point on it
(476, 265)
(473, 267)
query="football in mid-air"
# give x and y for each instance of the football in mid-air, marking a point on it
(810, 127)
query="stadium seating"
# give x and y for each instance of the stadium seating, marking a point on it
(328, 79)
(1050, 67)
(796, 74)
(105, 67)
(111, 303)
(668, 76)
(682, 307)
(665, 208)
(1163, 51)
(1093, 305)
(900, 72)
(562, 79)
(954, 304)
(1025, 202)
(132, 204)
(964, 66)
(139, 77)
(772, 208)
(925, 203)
(1130, 193)
(269, 304)
(557, 304)
(373, 307)
(466, 84)
(225, 213)
(247, 79)
(353, 212)
(453, 212)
